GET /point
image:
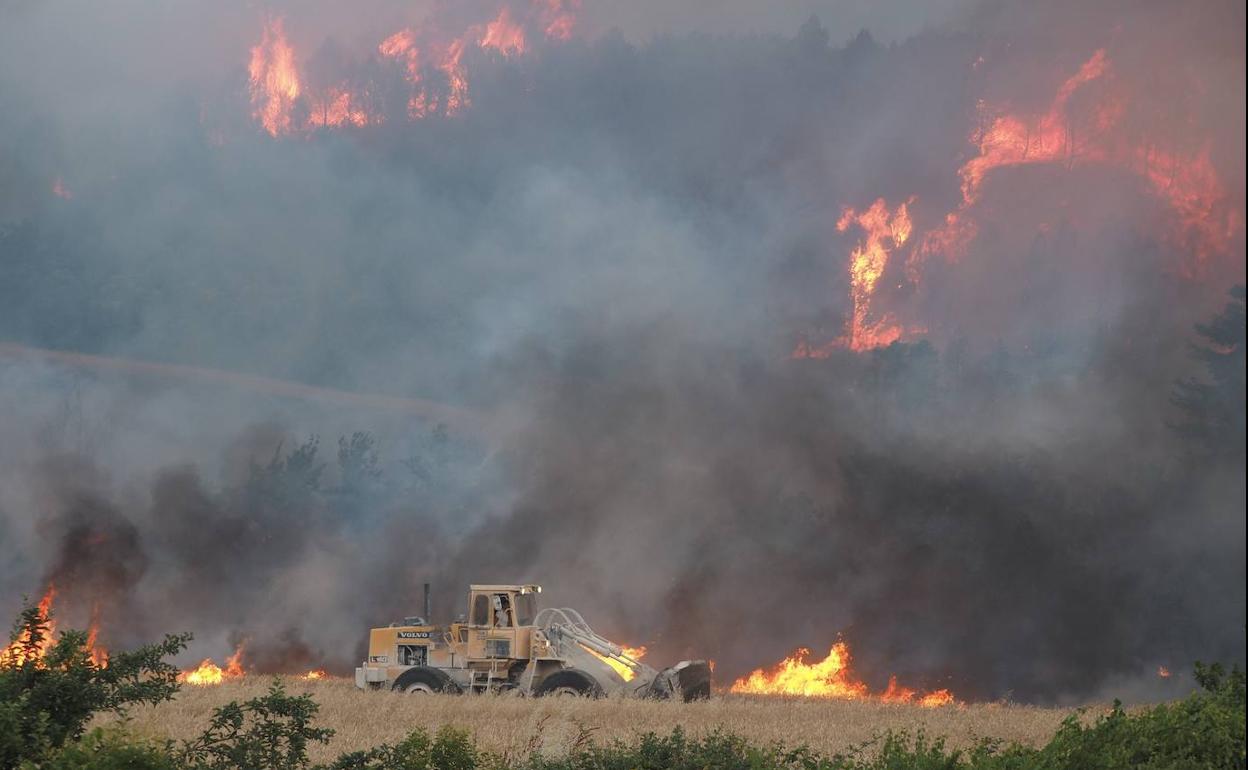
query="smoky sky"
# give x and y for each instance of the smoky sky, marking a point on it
(608, 259)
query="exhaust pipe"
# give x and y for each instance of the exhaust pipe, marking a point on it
(428, 606)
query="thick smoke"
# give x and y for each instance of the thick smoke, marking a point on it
(605, 265)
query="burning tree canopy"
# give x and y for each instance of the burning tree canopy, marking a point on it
(745, 341)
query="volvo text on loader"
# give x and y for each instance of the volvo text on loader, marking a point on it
(506, 644)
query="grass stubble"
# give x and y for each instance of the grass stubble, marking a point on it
(514, 726)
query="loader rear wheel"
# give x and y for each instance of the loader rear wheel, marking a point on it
(569, 683)
(424, 681)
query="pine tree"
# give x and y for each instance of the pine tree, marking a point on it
(1213, 407)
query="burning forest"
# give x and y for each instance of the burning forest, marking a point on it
(758, 344)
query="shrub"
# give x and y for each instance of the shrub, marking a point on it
(109, 749)
(451, 749)
(49, 693)
(1205, 730)
(271, 732)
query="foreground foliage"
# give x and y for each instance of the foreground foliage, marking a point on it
(49, 692)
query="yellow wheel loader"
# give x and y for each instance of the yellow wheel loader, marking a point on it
(506, 644)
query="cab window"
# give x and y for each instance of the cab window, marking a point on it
(502, 611)
(526, 608)
(481, 610)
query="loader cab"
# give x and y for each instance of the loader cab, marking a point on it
(499, 623)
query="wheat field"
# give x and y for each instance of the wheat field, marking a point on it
(514, 726)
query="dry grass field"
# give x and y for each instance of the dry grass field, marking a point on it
(515, 725)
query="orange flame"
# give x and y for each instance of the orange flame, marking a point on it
(1010, 140)
(318, 673)
(1163, 672)
(1064, 132)
(456, 78)
(97, 651)
(885, 231)
(209, 673)
(335, 109)
(559, 18)
(829, 678)
(16, 653)
(274, 79)
(402, 45)
(281, 104)
(1189, 185)
(503, 34)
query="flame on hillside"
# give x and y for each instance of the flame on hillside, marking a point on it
(1070, 132)
(503, 34)
(431, 58)
(1085, 123)
(274, 80)
(884, 231)
(558, 18)
(831, 677)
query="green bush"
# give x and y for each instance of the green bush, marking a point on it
(108, 749)
(451, 749)
(1206, 730)
(271, 732)
(47, 696)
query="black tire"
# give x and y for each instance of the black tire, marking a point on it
(569, 681)
(423, 679)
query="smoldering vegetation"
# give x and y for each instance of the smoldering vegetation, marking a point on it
(609, 259)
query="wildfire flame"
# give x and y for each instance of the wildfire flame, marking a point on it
(401, 46)
(274, 79)
(1163, 672)
(559, 18)
(335, 109)
(209, 673)
(503, 34)
(884, 232)
(1064, 134)
(283, 104)
(829, 678)
(97, 651)
(456, 77)
(1070, 131)
(20, 650)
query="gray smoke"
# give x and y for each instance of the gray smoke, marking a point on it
(607, 261)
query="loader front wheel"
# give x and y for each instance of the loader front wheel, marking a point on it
(424, 681)
(569, 683)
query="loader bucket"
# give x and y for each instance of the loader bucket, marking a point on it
(688, 680)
